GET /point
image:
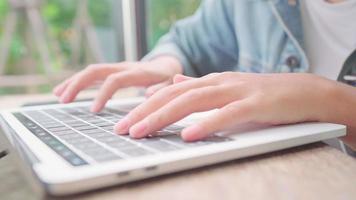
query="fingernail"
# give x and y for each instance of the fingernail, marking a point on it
(139, 130)
(192, 133)
(122, 127)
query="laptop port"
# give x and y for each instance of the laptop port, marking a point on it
(121, 174)
(151, 168)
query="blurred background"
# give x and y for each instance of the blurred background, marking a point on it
(44, 41)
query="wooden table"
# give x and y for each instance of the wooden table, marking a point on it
(314, 171)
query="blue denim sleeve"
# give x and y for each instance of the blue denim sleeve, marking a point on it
(204, 42)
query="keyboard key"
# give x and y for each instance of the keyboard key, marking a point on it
(78, 124)
(99, 135)
(176, 139)
(51, 141)
(174, 128)
(85, 128)
(70, 136)
(104, 114)
(58, 129)
(110, 139)
(135, 151)
(96, 151)
(93, 135)
(116, 112)
(217, 139)
(123, 144)
(79, 140)
(105, 124)
(158, 144)
(108, 128)
(53, 125)
(76, 161)
(90, 131)
(66, 132)
(165, 132)
(106, 157)
(87, 145)
(95, 121)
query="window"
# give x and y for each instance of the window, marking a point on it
(40, 47)
(55, 39)
(161, 14)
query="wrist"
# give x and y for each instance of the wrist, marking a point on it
(344, 104)
(338, 102)
(167, 63)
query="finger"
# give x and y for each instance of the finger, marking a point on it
(196, 100)
(180, 78)
(86, 78)
(58, 90)
(120, 80)
(156, 101)
(238, 112)
(111, 85)
(153, 89)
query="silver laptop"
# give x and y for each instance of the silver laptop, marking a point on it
(69, 150)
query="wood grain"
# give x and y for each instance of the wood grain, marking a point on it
(314, 171)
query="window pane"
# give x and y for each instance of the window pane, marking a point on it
(59, 36)
(163, 13)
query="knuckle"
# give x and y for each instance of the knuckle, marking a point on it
(137, 71)
(76, 82)
(169, 91)
(156, 118)
(257, 101)
(135, 115)
(238, 109)
(230, 109)
(212, 75)
(248, 108)
(93, 67)
(109, 86)
(124, 63)
(194, 94)
(222, 76)
(228, 75)
(112, 78)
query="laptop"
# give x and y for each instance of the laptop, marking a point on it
(66, 149)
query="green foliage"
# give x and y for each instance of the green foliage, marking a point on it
(100, 12)
(59, 18)
(3, 8)
(163, 13)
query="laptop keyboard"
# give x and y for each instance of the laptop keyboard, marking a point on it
(82, 137)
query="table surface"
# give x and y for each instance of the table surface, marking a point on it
(314, 171)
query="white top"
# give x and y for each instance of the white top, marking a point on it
(329, 34)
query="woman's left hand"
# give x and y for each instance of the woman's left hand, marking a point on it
(240, 98)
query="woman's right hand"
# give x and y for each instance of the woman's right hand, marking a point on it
(156, 73)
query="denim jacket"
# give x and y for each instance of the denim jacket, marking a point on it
(237, 35)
